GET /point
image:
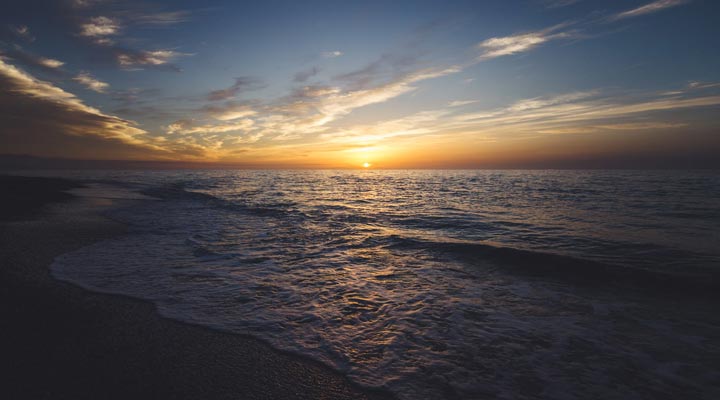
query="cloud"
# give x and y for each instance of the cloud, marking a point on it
(50, 63)
(91, 83)
(21, 32)
(161, 18)
(46, 64)
(519, 43)
(558, 3)
(632, 126)
(312, 91)
(99, 27)
(569, 113)
(67, 127)
(332, 54)
(342, 103)
(460, 103)
(230, 111)
(85, 3)
(242, 84)
(702, 85)
(134, 58)
(387, 68)
(577, 112)
(413, 125)
(541, 102)
(303, 76)
(116, 17)
(307, 111)
(188, 127)
(650, 8)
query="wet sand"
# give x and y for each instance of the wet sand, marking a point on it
(58, 341)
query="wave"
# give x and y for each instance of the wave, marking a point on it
(699, 281)
(179, 191)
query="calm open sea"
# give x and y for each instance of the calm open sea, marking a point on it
(437, 284)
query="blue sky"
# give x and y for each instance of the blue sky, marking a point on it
(338, 84)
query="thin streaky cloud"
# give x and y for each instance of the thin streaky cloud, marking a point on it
(99, 27)
(50, 63)
(131, 58)
(84, 3)
(702, 85)
(23, 32)
(304, 75)
(332, 54)
(162, 18)
(25, 57)
(650, 8)
(242, 84)
(519, 43)
(229, 111)
(559, 3)
(91, 83)
(570, 113)
(460, 103)
(188, 127)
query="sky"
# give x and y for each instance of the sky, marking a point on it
(340, 84)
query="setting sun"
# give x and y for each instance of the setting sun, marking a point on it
(367, 165)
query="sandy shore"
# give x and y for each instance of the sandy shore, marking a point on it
(58, 341)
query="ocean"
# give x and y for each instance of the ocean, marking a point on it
(435, 284)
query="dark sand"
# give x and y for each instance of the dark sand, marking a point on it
(58, 341)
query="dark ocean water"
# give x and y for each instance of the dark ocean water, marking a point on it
(437, 284)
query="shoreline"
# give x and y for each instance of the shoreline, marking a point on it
(62, 341)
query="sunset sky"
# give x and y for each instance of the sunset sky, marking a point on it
(395, 84)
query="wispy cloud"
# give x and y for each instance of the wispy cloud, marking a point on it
(332, 54)
(187, 127)
(650, 8)
(570, 113)
(230, 111)
(22, 32)
(558, 3)
(575, 109)
(100, 27)
(387, 68)
(50, 65)
(87, 80)
(85, 3)
(161, 18)
(131, 58)
(334, 104)
(702, 85)
(460, 103)
(306, 112)
(303, 76)
(519, 43)
(243, 83)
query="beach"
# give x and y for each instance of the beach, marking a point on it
(62, 342)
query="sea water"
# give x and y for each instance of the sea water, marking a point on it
(436, 284)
